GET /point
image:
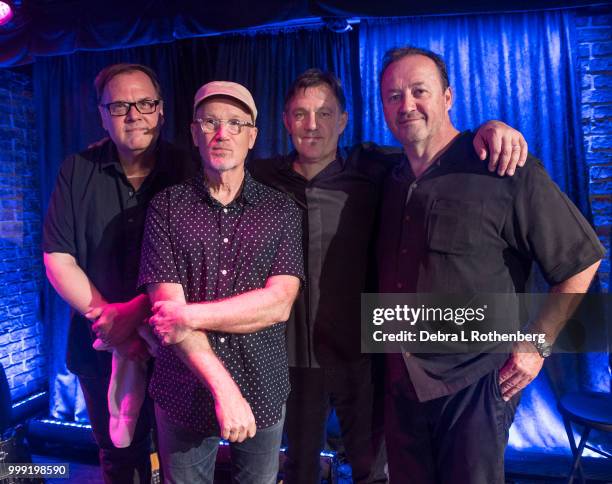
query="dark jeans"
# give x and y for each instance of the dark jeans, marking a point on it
(131, 464)
(356, 393)
(188, 457)
(459, 438)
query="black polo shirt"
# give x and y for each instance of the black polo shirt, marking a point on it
(339, 207)
(215, 252)
(461, 229)
(96, 216)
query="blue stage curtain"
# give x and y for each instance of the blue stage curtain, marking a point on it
(519, 68)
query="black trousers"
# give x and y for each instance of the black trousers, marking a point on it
(131, 464)
(356, 393)
(459, 438)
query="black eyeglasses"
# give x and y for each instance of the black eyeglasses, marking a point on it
(121, 108)
(212, 125)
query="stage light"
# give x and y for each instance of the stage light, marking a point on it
(6, 12)
(337, 25)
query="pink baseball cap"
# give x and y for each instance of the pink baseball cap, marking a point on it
(226, 88)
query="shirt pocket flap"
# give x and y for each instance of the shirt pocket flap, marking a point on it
(454, 226)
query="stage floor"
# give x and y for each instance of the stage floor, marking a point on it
(521, 468)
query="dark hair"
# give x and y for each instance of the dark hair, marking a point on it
(106, 74)
(316, 77)
(397, 53)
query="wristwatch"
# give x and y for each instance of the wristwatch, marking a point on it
(544, 348)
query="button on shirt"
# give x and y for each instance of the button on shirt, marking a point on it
(339, 207)
(216, 252)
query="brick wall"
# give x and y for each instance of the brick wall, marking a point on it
(22, 352)
(595, 53)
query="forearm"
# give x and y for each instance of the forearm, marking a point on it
(71, 283)
(236, 420)
(247, 312)
(140, 308)
(194, 350)
(562, 301)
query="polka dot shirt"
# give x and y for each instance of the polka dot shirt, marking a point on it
(214, 252)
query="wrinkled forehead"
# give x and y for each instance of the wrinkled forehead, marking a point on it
(320, 94)
(409, 71)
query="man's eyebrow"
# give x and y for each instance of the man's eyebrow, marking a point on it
(148, 98)
(417, 83)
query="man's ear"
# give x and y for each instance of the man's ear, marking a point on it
(194, 133)
(286, 123)
(448, 98)
(103, 117)
(162, 118)
(252, 137)
(343, 121)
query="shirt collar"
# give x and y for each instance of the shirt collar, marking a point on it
(403, 170)
(109, 157)
(336, 166)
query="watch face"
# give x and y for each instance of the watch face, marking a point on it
(544, 349)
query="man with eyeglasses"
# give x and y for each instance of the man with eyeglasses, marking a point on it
(91, 242)
(222, 263)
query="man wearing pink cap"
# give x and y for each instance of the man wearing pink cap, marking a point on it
(222, 263)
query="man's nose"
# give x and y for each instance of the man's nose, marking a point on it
(408, 103)
(311, 121)
(132, 113)
(222, 132)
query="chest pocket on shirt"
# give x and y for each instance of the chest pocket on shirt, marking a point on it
(454, 226)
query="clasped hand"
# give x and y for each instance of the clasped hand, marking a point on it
(113, 323)
(170, 321)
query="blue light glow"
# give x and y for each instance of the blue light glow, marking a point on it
(29, 399)
(66, 424)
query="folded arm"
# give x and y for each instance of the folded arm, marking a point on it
(114, 323)
(245, 313)
(236, 420)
